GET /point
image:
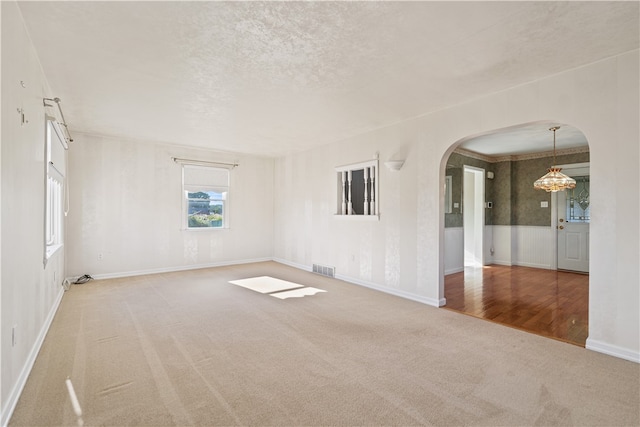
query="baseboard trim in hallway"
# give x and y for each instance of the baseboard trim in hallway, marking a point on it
(16, 391)
(371, 285)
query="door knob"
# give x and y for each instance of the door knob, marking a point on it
(561, 219)
(561, 227)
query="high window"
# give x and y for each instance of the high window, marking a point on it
(55, 189)
(205, 196)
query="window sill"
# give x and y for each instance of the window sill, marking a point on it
(200, 229)
(357, 217)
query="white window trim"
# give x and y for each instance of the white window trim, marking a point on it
(372, 198)
(184, 217)
(53, 232)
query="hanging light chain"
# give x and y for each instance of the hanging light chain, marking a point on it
(554, 129)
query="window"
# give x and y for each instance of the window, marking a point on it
(55, 188)
(206, 197)
(357, 186)
(578, 201)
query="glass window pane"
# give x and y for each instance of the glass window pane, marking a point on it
(205, 192)
(578, 201)
(205, 209)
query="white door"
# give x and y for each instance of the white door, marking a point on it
(573, 226)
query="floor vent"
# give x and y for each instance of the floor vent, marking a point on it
(324, 270)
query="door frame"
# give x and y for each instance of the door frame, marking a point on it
(569, 169)
(478, 210)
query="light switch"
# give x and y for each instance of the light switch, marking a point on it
(544, 204)
(456, 205)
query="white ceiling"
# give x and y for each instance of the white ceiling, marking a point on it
(270, 78)
(525, 139)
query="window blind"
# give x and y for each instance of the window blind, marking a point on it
(198, 178)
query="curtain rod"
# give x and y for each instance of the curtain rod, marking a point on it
(202, 162)
(64, 122)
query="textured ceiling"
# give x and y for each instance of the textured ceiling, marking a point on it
(270, 78)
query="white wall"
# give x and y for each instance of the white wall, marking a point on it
(29, 293)
(126, 205)
(404, 253)
(375, 253)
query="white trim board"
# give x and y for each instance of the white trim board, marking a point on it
(612, 350)
(173, 269)
(293, 264)
(396, 292)
(18, 386)
(454, 270)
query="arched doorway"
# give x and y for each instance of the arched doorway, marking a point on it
(517, 282)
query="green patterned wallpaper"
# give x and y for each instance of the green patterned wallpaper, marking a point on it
(515, 202)
(454, 169)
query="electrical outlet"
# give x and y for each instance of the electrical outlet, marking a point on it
(100, 256)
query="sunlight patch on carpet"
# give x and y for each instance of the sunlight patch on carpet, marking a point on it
(276, 287)
(266, 284)
(297, 293)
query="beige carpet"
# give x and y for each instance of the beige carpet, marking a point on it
(189, 348)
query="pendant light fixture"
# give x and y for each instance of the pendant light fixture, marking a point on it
(554, 180)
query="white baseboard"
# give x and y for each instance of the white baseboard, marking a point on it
(177, 268)
(612, 350)
(16, 391)
(453, 270)
(397, 292)
(522, 264)
(534, 265)
(499, 262)
(293, 264)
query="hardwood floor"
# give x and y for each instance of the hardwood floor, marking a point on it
(551, 303)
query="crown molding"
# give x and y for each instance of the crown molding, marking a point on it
(474, 155)
(518, 157)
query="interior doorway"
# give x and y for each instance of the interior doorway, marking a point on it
(501, 237)
(473, 219)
